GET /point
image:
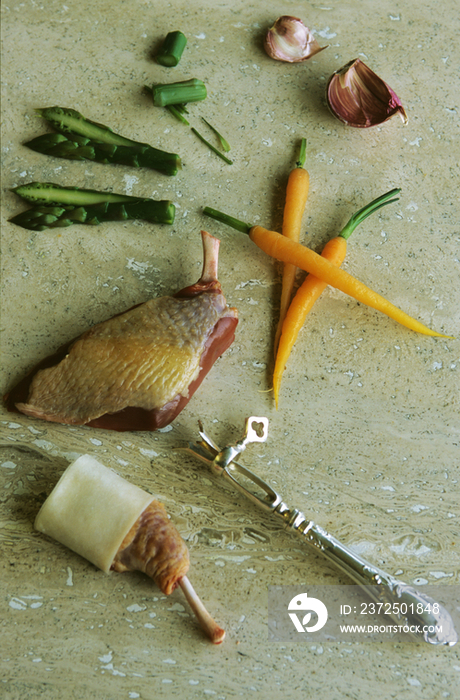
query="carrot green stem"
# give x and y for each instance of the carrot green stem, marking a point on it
(172, 49)
(346, 232)
(209, 145)
(369, 209)
(302, 154)
(228, 220)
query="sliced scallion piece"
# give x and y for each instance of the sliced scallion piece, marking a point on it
(178, 111)
(182, 92)
(213, 148)
(223, 142)
(172, 49)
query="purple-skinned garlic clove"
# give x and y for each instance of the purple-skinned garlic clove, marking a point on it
(290, 40)
(359, 98)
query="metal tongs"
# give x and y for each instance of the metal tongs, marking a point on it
(380, 586)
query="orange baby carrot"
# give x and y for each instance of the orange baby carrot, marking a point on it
(312, 287)
(294, 207)
(309, 291)
(281, 248)
(275, 245)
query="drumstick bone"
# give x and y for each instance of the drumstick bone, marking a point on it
(155, 547)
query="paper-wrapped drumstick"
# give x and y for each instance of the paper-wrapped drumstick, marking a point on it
(118, 526)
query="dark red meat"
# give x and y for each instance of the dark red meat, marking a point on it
(139, 369)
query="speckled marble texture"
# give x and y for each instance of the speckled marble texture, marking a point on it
(366, 437)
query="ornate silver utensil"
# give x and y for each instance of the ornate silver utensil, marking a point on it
(434, 621)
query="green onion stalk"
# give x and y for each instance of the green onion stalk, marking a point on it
(213, 148)
(182, 92)
(175, 97)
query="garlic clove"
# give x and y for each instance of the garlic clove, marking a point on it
(290, 40)
(359, 98)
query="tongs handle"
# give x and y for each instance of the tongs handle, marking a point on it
(403, 603)
(430, 619)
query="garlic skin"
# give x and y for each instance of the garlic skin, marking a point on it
(290, 40)
(359, 98)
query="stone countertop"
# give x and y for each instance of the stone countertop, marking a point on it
(365, 439)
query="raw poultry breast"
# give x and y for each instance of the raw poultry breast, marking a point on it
(137, 370)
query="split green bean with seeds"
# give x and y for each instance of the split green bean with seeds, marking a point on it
(58, 207)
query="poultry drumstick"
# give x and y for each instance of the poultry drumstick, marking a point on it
(119, 527)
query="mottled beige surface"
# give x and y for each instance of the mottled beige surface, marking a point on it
(366, 438)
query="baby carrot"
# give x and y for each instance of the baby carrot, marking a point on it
(311, 289)
(281, 248)
(294, 207)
